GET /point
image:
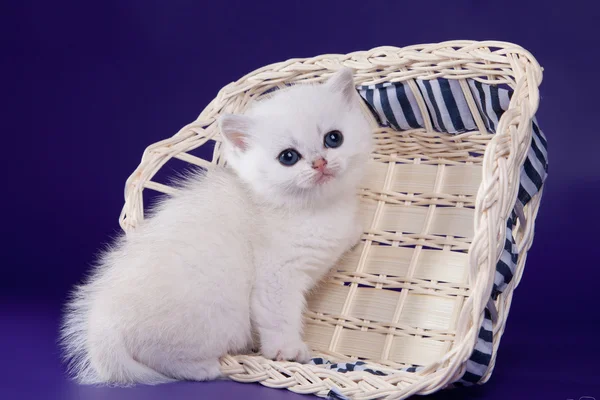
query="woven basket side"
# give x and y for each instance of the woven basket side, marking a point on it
(496, 199)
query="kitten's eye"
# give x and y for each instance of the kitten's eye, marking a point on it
(333, 139)
(289, 157)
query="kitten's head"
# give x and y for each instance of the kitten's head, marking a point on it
(306, 143)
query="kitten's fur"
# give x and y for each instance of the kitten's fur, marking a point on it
(234, 251)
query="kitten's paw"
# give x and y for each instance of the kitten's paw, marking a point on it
(297, 351)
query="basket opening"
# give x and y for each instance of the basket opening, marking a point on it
(412, 283)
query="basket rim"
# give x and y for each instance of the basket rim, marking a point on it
(448, 49)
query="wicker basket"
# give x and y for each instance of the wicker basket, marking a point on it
(449, 210)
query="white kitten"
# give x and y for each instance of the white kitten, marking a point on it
(234, 251)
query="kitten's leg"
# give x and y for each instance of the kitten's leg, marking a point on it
(277, 306)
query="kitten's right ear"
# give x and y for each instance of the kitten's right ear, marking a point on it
(343, 82)
(235, 129)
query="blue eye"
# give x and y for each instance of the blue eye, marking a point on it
(333, 139)
(289, 157)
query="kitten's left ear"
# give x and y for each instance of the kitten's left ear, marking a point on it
(236, 130)
(343, 82)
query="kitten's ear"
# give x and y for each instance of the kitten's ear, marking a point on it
(343, 82)
(236, 130)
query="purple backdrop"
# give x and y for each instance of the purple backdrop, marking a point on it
(87, 85)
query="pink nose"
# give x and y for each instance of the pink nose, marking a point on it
(319, 164)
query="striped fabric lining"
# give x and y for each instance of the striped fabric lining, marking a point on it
(481, 357)
(395, 105)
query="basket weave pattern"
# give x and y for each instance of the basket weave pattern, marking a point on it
(434, 207)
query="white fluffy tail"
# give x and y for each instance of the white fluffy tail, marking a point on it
(96, 354)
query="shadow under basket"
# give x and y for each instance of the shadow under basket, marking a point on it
(448, 206)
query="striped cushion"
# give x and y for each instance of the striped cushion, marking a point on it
(396, 106)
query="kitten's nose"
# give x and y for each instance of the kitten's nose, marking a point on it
(319, 164)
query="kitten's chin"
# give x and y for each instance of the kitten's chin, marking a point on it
(327, 188)
(323, 179)
(317, 195)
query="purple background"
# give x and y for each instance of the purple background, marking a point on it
(87, 85)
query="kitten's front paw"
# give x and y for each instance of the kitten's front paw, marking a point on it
(296, 351)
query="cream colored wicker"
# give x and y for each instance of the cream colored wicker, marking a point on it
(439, 210)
